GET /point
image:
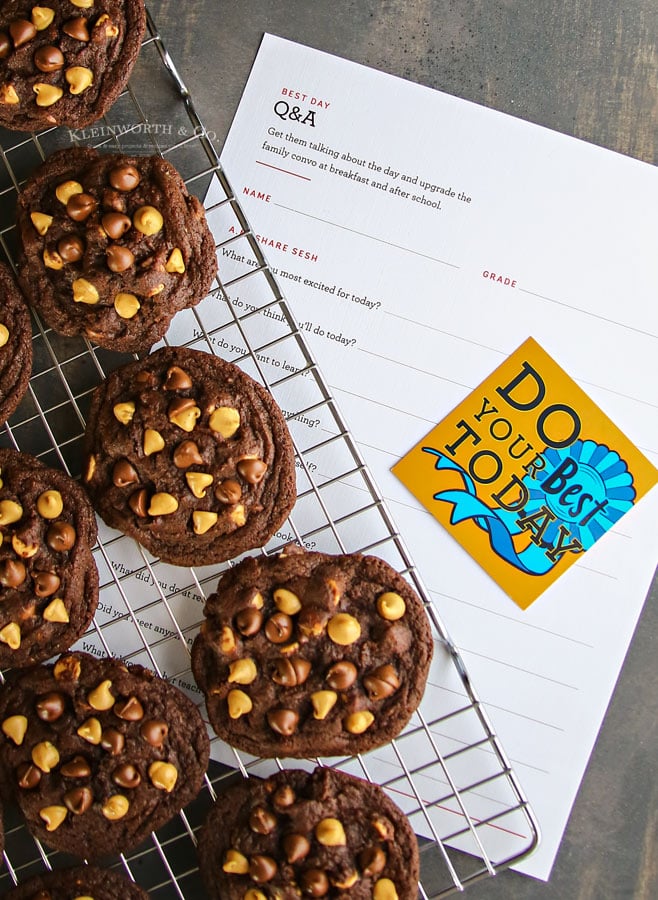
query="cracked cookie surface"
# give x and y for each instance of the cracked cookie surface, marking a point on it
(65, 62)
(308, 654)
(299, 834)
(190, 456)
(48, 576)
(112, 246)
(98, 754)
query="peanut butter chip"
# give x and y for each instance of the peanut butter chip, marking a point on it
(286, 601)
(358, 722)
(203, 521)
(235, 863)
(67, 189)
(8, 94)
(50, 504)
(330, 833)
(126, 305)
(163, 775)
(162, 504)
(4, 334)
(11, 635)
(42, 17)
(41, 222)
(184, 413)
(237, 515)
(79, 78)
(56, 611)
(101, 697)
(85, 292)
(323, 702)
(14, 727)
(225, 421)
(153, 441)
(116, 807)
(343, 629)
(83, 4)
(52, 260)
(239, 703)
(384, 890)
(10, 512)
(25, 551)
(53, 816)
(45, 756)
(47, 94)
(175, 262)
(148, 220)
(242, 671)
(391, 606)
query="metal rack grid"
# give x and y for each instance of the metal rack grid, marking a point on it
(447, 770)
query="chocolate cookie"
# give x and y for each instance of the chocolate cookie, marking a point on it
(15, 344)
(323, 834)
(190, 456)
(97, 753)
(80, 883)
(65, 63)
(307, 654)
(112, 246)
(48, 576)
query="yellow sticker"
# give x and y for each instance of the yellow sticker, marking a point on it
(526, 473)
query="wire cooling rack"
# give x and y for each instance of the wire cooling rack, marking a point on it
(447, 770)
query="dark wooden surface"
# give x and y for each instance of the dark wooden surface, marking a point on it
(588, 68)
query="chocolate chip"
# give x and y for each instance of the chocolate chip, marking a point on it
(291, 672)
(278, 628)
(127, 776)
(154, 732)
(115, 224)
(187, 454)
(112, 741)
(372, 860)
(76, 28)
(249, 621)
(177, 380)
(283, 721)
(12, 573)
(119, 259)
(124, 474)
(49, 59)
(382, 682)
(341, 675)
(124, 178)
(252, 470)
(262, 868)
(71, 248)
(296, 847)
(22, 32)
(139, 503)
(314, 883)
(45, 583)
(262, 821)
(284, 797)
(228, 491)
(50, 706)
(131, 710)
(60, 536)
(5, 45)
(80, 206)
(78, 800)
(78, 767)
(28, 776)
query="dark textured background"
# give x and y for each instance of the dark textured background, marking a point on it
(588, 68)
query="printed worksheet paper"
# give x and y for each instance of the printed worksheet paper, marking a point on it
(420, 240)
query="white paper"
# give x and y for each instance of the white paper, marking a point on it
(392, 295)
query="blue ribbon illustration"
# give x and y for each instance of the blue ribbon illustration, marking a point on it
(498, 523)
